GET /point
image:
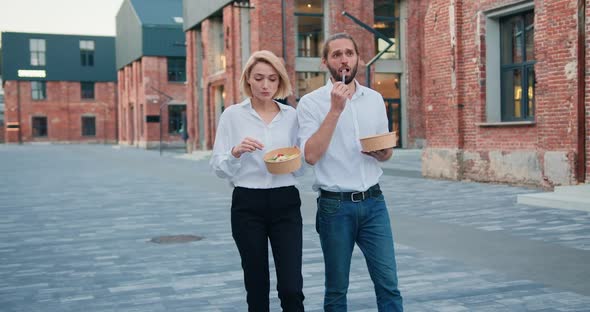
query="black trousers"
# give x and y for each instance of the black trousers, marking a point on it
(260, 215)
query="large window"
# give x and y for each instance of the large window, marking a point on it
(87, 90)
(87, 52)
(88, 126)
(177, 69)
(37, 49)
(387, 22)
(38, 90)
(309, 81)
(175, 122)
(517, 67)
(39, 126)
(309, 19)
(509, 64)
(216, 55)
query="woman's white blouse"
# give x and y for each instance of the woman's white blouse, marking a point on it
(239, 121)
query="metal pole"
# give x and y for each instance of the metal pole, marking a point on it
(581, 170)
(376, 57)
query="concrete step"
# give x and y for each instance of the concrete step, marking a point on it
(578, 189)
(576, 197)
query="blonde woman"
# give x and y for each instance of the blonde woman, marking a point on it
(264, 206)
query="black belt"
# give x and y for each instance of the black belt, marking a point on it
(373, 191)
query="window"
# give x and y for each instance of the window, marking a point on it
(309, 81)
(37, 49)
(216, 49)
(87, 90)
(510, 60)
(88, 126)
(38, 90)
(517, 67)
(175, 113)
(39, 127)
(387, 22)
(389, 87)
(177, 69)
(309, 20)
(87, 52)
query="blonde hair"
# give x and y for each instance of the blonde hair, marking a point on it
(264, 56)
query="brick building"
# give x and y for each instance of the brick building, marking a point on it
(1, 106)
(151, 59)
(58, 88)
(504, 90)
(221, 35)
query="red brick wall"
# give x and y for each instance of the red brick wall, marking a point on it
(140, 82)
(192, 115)
(414, 76)
(454, 95)
(266, 26)
(63, 108)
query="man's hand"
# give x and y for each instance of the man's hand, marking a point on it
(340, 93)
(380, 155)
(248, 145)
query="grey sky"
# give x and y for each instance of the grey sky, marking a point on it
(79, 17)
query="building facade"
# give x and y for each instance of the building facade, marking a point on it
(504, 91)
(151, 71)
(221, 35)
(1, 106)
(58, 88)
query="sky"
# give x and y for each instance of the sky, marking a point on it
(73, 17)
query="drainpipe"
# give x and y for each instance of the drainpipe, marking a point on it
(116, 112)
(284, 18)
(581, 159)
(20, 125)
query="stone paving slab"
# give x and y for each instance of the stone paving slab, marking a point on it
(77, 220)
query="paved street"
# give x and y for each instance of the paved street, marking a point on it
(76, 223)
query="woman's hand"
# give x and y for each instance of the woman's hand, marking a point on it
(248, 145)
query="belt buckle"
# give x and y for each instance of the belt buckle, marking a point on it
(357, 201)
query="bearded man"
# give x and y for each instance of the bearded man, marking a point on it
(351, 206)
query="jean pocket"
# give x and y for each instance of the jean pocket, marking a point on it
(379, 198)
(328, 206)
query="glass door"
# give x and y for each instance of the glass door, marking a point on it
(389, 87)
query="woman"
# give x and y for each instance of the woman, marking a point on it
(264, 206)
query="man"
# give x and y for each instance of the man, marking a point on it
(351, 207)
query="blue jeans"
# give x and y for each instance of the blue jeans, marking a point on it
(341, 224)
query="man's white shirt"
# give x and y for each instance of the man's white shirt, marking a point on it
(343, 167)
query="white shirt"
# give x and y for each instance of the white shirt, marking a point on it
(240, 121)
(343, 167)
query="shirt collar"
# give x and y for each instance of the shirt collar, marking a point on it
(248, 106)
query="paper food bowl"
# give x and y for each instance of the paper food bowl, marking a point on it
(283, 166)
(379, 141)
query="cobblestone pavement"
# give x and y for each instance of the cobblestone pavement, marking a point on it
(77, 222)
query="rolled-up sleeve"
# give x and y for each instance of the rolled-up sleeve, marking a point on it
(222, 162)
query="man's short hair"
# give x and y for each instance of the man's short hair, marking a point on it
(326, 48)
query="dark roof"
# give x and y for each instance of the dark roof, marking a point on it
(158, 12)
(62, 57)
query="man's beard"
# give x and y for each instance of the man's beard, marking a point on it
(337, 74)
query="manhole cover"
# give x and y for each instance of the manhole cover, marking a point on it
(174, 239)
